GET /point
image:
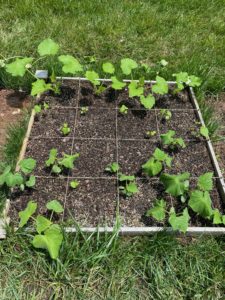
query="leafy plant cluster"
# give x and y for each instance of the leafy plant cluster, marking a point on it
(20, 179)
(19, 66)
(49, 236)
(197, 199)
(59, 164)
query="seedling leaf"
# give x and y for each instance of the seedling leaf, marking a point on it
(74, 184)
(92, 76)
(201, 203)
(158, 212)
(152, 167)
(205, 182)
(18, 67)
(217, 217)
(108, 68)
(176, 185)
(27, 165)
(179, 222)
(135, 89)
(55, 206)
(116, 84)
(70, 64)
(48, 47)
(148, 102)
(27, 213)
(204, 132)
(31, 182)
(123, 109)
(42, 224)
(52, 157)
(112, 168)
(39, 86)
(161, 86)
(127, 65)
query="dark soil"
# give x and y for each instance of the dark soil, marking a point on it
(103, 136)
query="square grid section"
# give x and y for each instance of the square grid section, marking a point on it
(105, 136)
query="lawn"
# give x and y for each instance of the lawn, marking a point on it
(190, 36)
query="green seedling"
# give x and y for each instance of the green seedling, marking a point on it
(165, 114)
(183, 80)
(179, 222)
(48, 235)
(128, 186)
(37, 108)
(123, 109)
(161, 86)
(84, 110)
(155, 164)
(108, 68)
(158, 211)
(65, 129)
(20, 179)
(135, 89)
(204, 132)
(150, 133)
(117, 84)
(112, 168)
(127, 65)
(176, 185)
(93, 77)
(148, 102)
(74, 184)
(169, 140)
(58, 165)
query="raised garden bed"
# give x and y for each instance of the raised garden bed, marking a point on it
(102, 136)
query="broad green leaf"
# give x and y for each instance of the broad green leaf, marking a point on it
(31, 182)
(146, 67)
(204, 132)
(68, 160)
(116, 84)
(18, 67)
(48, 47)
(27, 165)
(108, 68)
(13, 180)
(50, 241)
(113, 168)
(37, 108)
(167, 138)
(93, 77)
(217, 217)
(148, 102)
(52, 157)
(179, 222)
(42, 224)
(127, 65)
(4, 174)
(70, 64)
(39, 86)
(181, 77)
(161, 86)
(27, 213)
(56, 169)
(135, 89)
(201, 203)
(194, 81)
(55, 206)
(74, 184)
(158, 212)
(123, 177)
(162, 156)
(176, 185)
(152, 167)
(132, 188)
(205, 182)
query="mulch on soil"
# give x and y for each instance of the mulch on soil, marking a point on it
(103, 136)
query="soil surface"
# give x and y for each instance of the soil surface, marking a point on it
(102, 136)
(11, 105)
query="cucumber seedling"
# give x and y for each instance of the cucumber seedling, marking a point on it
(183, 80)
(128, 186)
(123, 110)
(65, 129)
(165, 114)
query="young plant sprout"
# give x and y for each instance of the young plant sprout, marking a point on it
(117, 84)
(169, 140)
(150, 133)
(48, 236)
(155, 164)
(161, 86)
(183, 80)
(65, 129)
(148, 102)
(128, 186)
(74, 184)
(39, 107)
(112, 168)
(20, 179)
(84, 110)
(123, 109)
(60, 164)
(165, 114)
(127, 65)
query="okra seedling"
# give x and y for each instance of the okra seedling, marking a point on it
(169, 140)
(123, 109)
(65, 129)
(84, 110)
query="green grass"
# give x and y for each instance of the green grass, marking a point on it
(102, 267)
(188, 34)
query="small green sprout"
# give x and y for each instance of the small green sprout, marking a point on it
(161, 86)
(84, 110)
(183, 79)
(128, 185)
(204, 132)
(65, 129)
(112, 168)
(135, 89)
(148, 102)
(150, 133)
(165, 114)
(123, 110)
(117, 84)
(169, 140)
(158, 211)
(37, 108)
(127, 65)
(74, 184)
(176, 185)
